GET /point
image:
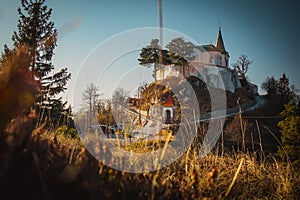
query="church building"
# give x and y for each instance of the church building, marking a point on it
(211, 65)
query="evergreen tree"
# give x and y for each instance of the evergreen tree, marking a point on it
(36, 31)
(182, 48)
(181, 52)
(290, 133)
(281, 88)
(287, 92)
(270, 86)
(150, 55)
(6, 55)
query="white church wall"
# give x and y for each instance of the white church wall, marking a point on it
(212, 75)
(211, 57)
(165, 72)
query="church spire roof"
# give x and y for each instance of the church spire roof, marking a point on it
(220, 43)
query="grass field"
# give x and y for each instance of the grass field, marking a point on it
(51, 166)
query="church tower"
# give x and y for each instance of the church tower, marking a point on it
(220, 45)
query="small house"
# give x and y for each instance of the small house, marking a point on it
(168, 111)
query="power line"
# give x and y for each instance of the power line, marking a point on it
(260, 117)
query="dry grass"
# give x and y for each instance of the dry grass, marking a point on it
(67, 170)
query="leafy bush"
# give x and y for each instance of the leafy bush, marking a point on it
(64, 130)
(290, 133)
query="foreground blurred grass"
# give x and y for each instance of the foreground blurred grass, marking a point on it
(52, 166)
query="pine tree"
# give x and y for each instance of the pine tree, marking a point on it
(182, 48)
(290, 133)
(281, 88)
(150, 55)
(6, 55)
(181, 52)
(270, 86)
(283, 85)
(284, 90)
(36, 31)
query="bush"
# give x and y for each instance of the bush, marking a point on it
(290, 133)
(64, 130)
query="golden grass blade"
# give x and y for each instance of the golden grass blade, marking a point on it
(234, 178)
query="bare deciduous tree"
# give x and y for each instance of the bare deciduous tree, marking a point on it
(242, 65)
(90, 97)
(119, 101)
(119, 97)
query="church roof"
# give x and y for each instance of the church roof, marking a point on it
(220, 47)
(168, 102)
(210, 47)
(219, 43)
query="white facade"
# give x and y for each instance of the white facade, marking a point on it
(210, 65)
(213, 76)
(168, 115)
(211, 57)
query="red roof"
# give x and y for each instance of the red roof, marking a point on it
(168, 102)
(131, 100)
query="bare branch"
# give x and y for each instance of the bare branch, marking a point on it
(242, 66)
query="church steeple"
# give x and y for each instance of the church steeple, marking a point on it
(220, 43)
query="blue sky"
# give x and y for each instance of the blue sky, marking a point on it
(267, 32)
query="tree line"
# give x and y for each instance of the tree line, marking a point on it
(281, 89)
(283, 97)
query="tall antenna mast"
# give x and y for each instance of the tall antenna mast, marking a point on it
(160, 22)
(160, 57)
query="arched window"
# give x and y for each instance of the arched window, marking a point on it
(218, 60)
(168, 117)
(210, 59)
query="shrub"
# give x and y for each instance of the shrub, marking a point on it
(64, 130)
(290, 133)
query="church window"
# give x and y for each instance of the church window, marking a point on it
(219, 60)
